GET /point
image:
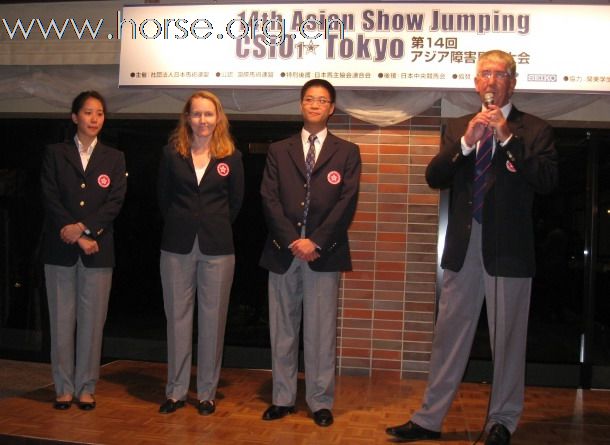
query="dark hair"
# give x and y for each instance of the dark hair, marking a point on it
(79, 101)
(319, 83)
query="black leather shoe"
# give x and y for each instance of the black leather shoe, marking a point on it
(323, 417)
(86, 406)
(62, 405)
(169, 406)
(275, 412)
(498, 435)
(206, 407)
(411, 431)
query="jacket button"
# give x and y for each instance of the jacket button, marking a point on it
(299, 224)
(83, 185)
(302, 204)
(305, 185)
(82, 203)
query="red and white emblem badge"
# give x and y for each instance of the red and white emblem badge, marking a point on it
(510, 167)
(223, 169)
(103, 181)
(334, 177)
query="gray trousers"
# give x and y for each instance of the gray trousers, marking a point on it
(209, 278)
(459, 308)
(78, 302)
(301, 291)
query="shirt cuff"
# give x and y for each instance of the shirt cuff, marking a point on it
(466, 149)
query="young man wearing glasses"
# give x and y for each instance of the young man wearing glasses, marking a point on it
(309, 192)
(494, 162)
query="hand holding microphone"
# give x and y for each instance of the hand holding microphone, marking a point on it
(489, 99)
(501, 132)
(490, 117)
(480, 122)
(496, 121)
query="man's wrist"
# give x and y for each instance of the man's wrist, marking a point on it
(84, 229)
(466, 148)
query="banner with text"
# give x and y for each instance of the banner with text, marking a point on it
(362, 45)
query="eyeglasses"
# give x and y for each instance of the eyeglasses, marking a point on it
(321, 100)
(487, 74)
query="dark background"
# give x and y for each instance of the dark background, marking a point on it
(136, 322)
(570, 314)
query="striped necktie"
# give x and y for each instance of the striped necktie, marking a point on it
(482, 164)
(310, 161)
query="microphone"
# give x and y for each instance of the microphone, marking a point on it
(488, 99)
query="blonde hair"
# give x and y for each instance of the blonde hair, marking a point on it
(221, 143)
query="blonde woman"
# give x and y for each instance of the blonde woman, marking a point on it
(201, 184)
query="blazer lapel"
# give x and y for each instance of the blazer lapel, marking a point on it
(295, 151)
(190, 167)
(97, 156)
(515, 121)
(73, 157)
(211, 165)
(328, 149)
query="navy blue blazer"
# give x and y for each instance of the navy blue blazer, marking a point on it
(526, 165)
(334, 195)
(93, 196)
(206, 209)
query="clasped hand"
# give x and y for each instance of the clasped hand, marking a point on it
(70, 233)
(88, 245)
(73, 233)
(304, 249)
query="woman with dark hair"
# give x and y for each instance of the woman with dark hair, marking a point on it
(201, 186)
(83, 184)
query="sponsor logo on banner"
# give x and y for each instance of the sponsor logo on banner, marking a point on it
(542, 77)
